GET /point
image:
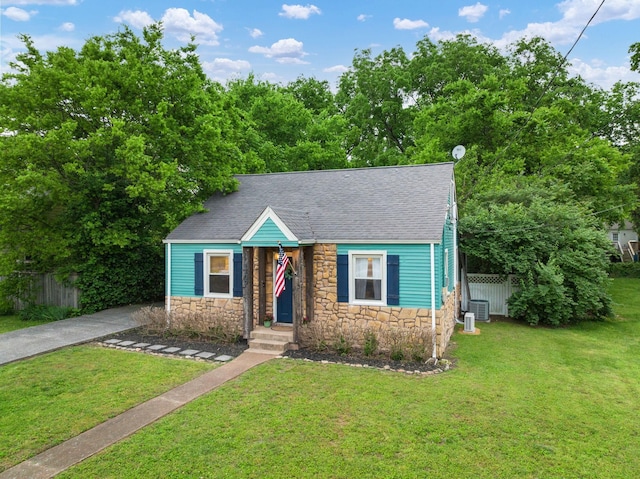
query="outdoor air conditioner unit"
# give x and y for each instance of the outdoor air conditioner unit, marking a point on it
(480, 308)
(469, 323)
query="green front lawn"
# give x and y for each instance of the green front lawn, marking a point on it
(522, 402)
(13, 322)
(48, 399)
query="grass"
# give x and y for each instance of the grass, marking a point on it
(522, 402)
(48, 399)
(13, 322)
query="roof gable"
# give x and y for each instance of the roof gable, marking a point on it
(269, 229)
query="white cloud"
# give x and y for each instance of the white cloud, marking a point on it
(406, 24)
(137, 19)
(578, 12)
(298, 11)
(179, 23)
(287, 50)
(42, 2)
(504, 12)
(575, 15)
(604, 76)
(17, 14)
(67, 27)
(226, 65)
(363, 17)
(255, 32)
(336, 69)
(473, 13)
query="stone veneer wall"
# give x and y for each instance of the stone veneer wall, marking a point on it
(227, 311)
(326, 307)
(376, 318)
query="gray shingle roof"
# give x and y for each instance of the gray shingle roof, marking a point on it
(386, 204)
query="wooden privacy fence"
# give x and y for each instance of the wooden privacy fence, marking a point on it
(48, 291)
(493, 288)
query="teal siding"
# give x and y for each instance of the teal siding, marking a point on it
(448, 237)
(269, 235)
(182, 266)
(415, 272)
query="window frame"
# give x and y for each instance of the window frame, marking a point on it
(353, 255)
(207, 273)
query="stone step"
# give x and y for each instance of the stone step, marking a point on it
(271, 334)
(268, 345)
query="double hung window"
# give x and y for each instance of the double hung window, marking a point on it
(368, 277)
(218, 271)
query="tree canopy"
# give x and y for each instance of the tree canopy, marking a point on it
(106, 149)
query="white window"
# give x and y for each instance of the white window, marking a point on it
(368, 277)
(218, 273)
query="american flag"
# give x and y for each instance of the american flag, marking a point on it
(283, 262)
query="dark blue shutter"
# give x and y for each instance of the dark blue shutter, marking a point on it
(343, 278)
(393, 279)
(198, 275)
(237, 275)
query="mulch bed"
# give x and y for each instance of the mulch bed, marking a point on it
(356, 359)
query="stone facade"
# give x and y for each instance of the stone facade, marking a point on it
(326, 310)
(379, 319)
(226, 311)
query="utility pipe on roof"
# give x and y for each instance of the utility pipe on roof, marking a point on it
(433, 301)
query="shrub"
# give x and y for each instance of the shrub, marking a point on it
(624, 270)
(370, 343)
(394, 341)
(198, 325)
(342, 345)
(39, 312)
(6, 307)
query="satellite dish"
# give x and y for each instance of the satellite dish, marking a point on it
(458, 152)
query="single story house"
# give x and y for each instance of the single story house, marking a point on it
(376, 247)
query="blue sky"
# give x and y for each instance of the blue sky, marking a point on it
(279, 41)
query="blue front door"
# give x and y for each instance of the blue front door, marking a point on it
(284, 307)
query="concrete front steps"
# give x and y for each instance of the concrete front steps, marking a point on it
(268, 340)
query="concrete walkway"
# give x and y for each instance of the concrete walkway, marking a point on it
(27, 342)
(55, 460)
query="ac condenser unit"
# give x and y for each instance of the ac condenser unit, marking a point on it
(480, 308)
(469, 323)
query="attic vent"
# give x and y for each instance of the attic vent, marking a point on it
(480, 308)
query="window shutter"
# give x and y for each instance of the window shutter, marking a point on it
(198, 276)
(237, 275)
(343, 278)
(393, 279)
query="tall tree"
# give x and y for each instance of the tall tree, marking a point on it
(292, 128)
(105, 150)
(375, 98)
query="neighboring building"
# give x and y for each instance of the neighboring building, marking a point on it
(374, 246)
(625, 241)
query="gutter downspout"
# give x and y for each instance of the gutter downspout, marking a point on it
(168, 305)
(433, 302)
(456, 273)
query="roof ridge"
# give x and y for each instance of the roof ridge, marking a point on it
(335, 170)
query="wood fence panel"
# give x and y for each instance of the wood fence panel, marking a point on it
(48, 291)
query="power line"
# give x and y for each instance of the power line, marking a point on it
(549, 84)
